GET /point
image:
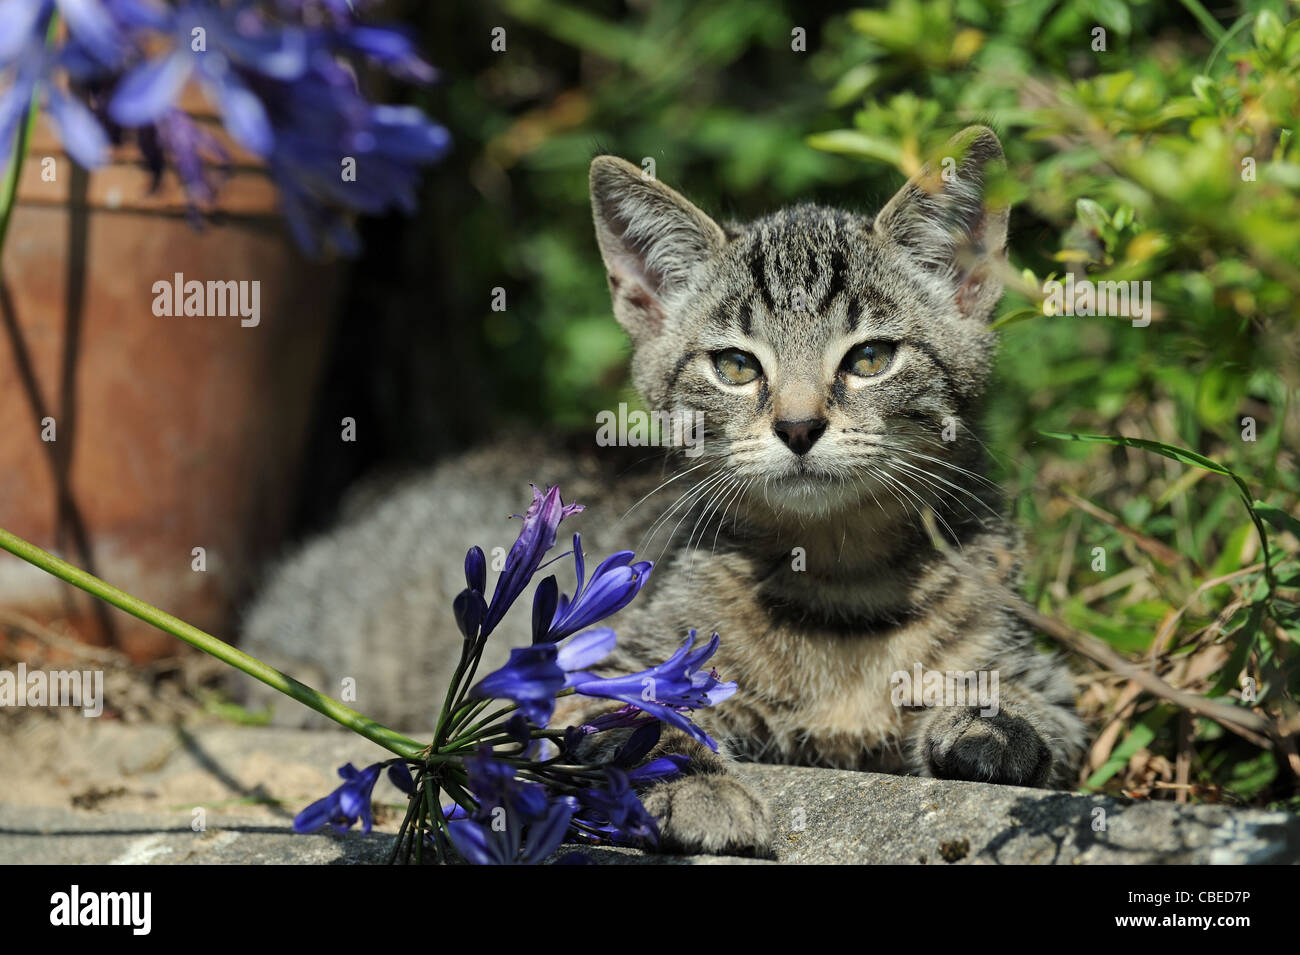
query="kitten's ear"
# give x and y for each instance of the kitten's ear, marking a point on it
(651, 239)
(941, 219)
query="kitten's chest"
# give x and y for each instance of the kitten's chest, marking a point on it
(808, 693)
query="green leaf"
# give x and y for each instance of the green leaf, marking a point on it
(1277, 517)
(1203, 89)
(860, 145)
(1186, 456)
(853, 84)
(1243, 640)
(1114, 14)
(1168, 450)
(1250, 777)
(1139, 737)
(1269, 32)
(1022, 314)
(1091, 214)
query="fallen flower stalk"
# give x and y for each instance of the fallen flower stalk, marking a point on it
(375, 732)
(519, 786)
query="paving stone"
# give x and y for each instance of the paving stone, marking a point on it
(109, 793)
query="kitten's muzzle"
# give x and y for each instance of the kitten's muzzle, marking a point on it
(800, 436)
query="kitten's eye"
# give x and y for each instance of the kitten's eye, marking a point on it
(736, 367)
(869, 359)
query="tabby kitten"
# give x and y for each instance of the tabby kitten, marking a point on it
(836, 530)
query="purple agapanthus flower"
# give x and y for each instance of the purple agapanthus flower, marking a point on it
(535, 674)
(644, 738)
(34, 68)
(345, 805)
(541, 525)
(667, 691)
(226, 51)
(511, 820)
(481, 844)
(514, 822)
(23, 24)
(613, 584)
(286, 91)
(616, 812)
(351, 801)
(646, 732)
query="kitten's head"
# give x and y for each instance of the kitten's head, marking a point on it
(821, 346)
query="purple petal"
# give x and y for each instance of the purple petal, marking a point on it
(586, 649)
(281, 55)
(17, 24)
(544, 601)
(244, 116)
(642, 740)
(404, 132)
(658, 770)
(13, 105)
(90, 23)
(317, 815)
(399, 774)
(535, 538)
(150, 89)
(476, 844)
(546, 836)
(393, 49)
(579, 563)
(680, 720)
(83, 137)
(476, 569)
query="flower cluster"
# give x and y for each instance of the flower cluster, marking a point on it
(282, 75)
(514, 803)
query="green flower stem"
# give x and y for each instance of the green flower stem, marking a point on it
(14, 168)
(392, 741)
(468, 735)
(466, 670)
(403, 832)
(467, 712)
(459, 794)
(452, 701)
(433, 806)
(554, 735)
(1212, 27)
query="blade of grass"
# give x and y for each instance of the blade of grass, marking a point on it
(1196, 460)
(1212, 27)
(1139, 737)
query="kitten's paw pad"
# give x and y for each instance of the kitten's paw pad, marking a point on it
(1002, 748)
(711, 814)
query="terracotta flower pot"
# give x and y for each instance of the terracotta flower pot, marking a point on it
(168, 433)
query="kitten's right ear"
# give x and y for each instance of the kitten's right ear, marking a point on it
(651, 238)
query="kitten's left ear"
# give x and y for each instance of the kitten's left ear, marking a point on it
(652, 240)
(941, 219)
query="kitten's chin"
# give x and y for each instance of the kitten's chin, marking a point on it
(809, 494)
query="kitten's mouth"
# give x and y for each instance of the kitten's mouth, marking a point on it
(803, 473)
(807, 490)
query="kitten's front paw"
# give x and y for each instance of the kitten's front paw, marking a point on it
(710, 813)
(961, 744)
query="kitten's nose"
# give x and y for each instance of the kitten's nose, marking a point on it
(800, 436)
